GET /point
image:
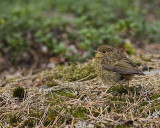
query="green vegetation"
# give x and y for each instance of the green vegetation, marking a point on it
(81, 72)
(13, 119)
(19, 92)
(60, 24)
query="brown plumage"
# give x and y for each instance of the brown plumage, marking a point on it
(113, 66)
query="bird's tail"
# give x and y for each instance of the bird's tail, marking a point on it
(140, 73)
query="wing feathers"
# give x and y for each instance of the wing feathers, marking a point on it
(124, 66)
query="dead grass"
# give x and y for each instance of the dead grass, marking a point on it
(52, 101)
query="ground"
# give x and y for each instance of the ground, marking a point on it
(73, 96)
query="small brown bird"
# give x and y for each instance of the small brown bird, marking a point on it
(113, 66)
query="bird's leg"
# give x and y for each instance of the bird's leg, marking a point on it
(128, 88)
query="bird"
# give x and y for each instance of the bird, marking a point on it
(113, 67)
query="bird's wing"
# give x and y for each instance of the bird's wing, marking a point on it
(124, 66)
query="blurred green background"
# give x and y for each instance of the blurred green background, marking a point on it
(71, 29)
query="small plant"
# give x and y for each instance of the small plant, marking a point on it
(19, 92)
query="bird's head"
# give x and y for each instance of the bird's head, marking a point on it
(103, 51)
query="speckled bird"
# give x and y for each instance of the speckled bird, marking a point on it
(113, 67)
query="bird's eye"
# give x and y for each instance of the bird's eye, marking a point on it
(104, 51)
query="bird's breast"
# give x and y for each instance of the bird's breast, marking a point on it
(107, 77)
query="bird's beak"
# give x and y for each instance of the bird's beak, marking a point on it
(96, 51)
(98, 54)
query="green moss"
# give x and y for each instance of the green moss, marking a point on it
(78, 112)
(30, 123)
(135, 89)
(59, 96)
(131, 89)
(53, 74)
(118, 90)
(124, 89)
(35, 114)
(95, 113)
(48, 77)
(144, 104)
(71, 73)
(118, 98)
(13, 120)
(19, 92)
(59, 72)
(54, 99)
(79, 72)
(52, 114)
(155, 106)
(65, 93)
(51, 83)
(154, 97)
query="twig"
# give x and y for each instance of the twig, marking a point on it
(20, 80)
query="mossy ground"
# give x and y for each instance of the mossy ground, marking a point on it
(73, 72)
(73, 96)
